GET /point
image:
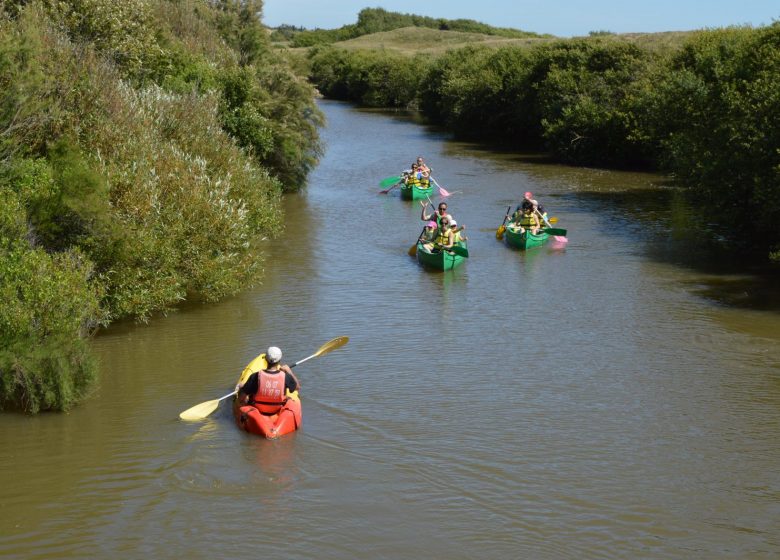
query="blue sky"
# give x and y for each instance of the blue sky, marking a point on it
(564, 18)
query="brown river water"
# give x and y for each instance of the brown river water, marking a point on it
(617, 397)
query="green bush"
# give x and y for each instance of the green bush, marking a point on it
(715, 115)
(143, 153)
(586, 102)
(49, 306)
(372, 78)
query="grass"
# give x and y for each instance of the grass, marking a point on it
(417, 40)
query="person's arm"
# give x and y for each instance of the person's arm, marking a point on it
(291, 382)
(423, 216)
(248, 388)
(543, 218)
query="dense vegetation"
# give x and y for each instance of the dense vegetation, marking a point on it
(144, 147)
(375, 20)
(707, 111)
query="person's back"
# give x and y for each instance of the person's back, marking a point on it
(268, 389)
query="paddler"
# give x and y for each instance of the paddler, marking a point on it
(444, 237)
(267, 390)
(437, 215)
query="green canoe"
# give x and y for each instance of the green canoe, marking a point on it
(442, 260)
(525, 240)
(409, 192)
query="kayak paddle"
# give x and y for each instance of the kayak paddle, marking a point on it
(386, 182)
(502, 228)
(385, 191)
(200, 411)
(560, 237)
(459, 250)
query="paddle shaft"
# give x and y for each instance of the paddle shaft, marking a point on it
(413, 249)
(385, 191)
(544, 219)
(305, 359)
(226, 396)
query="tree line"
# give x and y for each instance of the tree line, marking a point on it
(144, 149)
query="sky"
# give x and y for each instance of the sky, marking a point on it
(563, 18)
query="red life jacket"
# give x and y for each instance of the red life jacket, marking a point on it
(270, 395)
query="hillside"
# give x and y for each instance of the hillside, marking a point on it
(417, 40)
(414, 40)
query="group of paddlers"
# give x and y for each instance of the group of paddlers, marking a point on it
(529, 215)
(419, 175)
(441, 230)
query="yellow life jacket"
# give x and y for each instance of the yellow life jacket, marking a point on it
(442, 238)
(527, 221)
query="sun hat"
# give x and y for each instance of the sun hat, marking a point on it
(529, 195)
(431, 224)
(453, 223)
(273, 355)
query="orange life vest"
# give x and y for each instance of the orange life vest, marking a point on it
(270, 396)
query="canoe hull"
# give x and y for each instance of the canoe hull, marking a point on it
(270, 426)
(525, 240)
(441, 260)
(409, 192)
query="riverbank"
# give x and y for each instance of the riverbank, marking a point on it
(145, 151)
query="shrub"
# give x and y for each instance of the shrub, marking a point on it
(49, 306)
(716, 115)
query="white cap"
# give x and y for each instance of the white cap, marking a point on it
(453, 223)
(273, 355)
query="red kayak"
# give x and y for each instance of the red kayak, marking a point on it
(270, 426)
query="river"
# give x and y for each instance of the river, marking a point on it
(615, 397)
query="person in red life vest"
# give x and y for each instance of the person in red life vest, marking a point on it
(267, 389)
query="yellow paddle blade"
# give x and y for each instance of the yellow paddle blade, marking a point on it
(413, 250)
(337, 342)
(500, 231)
(200, 411)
